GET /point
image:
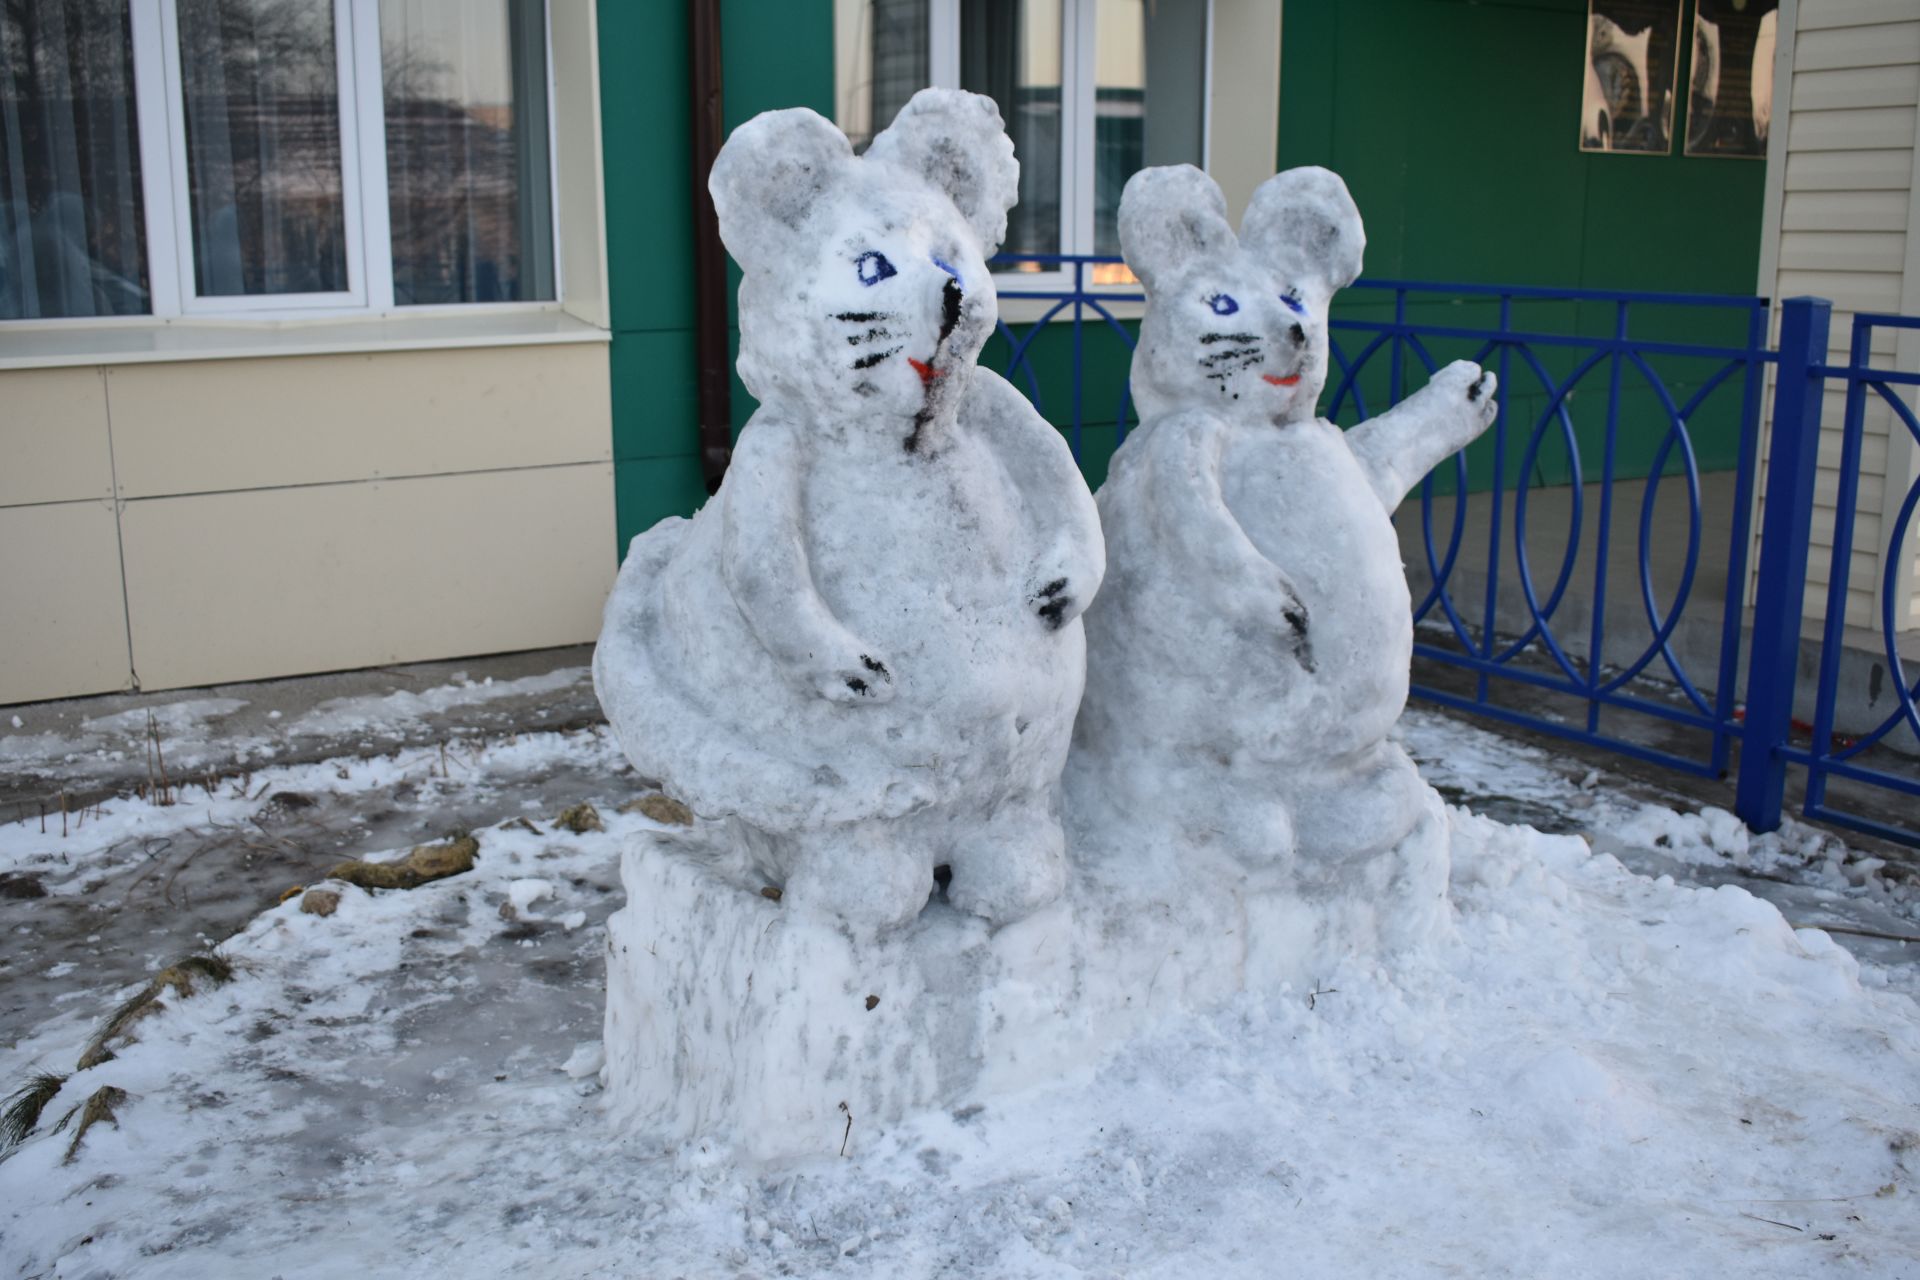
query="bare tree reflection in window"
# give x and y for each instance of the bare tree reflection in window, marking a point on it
(265, 189)
(71, 214)
(469, 193)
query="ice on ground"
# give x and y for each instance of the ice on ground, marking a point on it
(865, 651)
(369, 713)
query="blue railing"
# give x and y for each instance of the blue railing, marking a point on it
(1653, 672)
(1803, 376)
(1070, 293)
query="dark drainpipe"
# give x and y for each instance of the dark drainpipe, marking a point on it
(709, 257)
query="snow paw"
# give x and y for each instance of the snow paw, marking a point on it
(865, 679)
(1055, 604)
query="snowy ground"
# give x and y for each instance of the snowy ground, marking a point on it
(1604, 1073)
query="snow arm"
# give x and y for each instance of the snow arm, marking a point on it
(1072, 558)
(1401, 445)
(1192, 521)
(763, 558)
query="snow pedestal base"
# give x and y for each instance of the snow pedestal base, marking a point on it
(734, 1018)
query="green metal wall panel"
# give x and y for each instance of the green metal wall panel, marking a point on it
(775, 53)
(1455, 125)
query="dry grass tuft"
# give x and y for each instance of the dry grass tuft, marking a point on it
(427, 862)
(579, 819)
(100, 1106)
(663, 809)
(208, 968)
(24, 1106)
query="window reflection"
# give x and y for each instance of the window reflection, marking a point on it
(469, 194)
(1010, 51)
(880, 48)
(263, 147)
(1149, 86)
(71, 236)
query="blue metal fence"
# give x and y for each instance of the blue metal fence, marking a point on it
(1803, 347)
(1687, 358)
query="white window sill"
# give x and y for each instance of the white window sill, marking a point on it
(65, 343)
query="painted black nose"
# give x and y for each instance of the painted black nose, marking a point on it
(950, 299)
(1298, 335)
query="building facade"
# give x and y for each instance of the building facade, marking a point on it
(387, 360)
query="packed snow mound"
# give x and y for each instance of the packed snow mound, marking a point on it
(732, 1018)
(1596, 1073)
(1249, 652)
(865, 652)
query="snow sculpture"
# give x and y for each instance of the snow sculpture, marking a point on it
(1250, 650)
(858, 665)
(865, 651)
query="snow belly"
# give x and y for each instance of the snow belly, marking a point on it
(929, 560)
(1306, 504)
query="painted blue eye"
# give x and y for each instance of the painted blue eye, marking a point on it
(872, 267)
(947, 267)
(1293, 302)
(1223, 304)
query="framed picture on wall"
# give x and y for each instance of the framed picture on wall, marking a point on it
(1730, 90)
(1631, 72)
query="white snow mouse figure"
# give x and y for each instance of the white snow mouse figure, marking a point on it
(864, 654)
(1250, 650)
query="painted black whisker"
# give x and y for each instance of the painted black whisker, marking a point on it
(868, 361)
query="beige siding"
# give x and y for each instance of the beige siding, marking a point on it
(63, 627)
(53, 437)
(233, 586)
(284, 515)
(324, 419)
(1843, 222)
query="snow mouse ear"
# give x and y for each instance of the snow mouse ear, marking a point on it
(771, 176)
(956, 141)
(1303, 224)
(1170, 215)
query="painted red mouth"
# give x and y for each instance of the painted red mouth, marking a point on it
(1287, 381)
(926, 371)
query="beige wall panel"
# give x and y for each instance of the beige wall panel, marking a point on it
(1863, 129)
(1893, 86)
(238, 586)
(1881, 45)
(1858, 290)
(1869, 497)
(1843, 250)
(1849, 170)
(1844, 211)
(63, 624)
(1821, 14)
(244, 424)
(53, 436)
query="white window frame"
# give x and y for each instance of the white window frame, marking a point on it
(1078, 71)
(160, 123)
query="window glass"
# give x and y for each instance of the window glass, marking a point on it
(880, 48)
(469, 194)
(71, 239)
(1010, 51)
(1149, 82)
(264, 189)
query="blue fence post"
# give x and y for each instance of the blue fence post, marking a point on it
(1786, 525)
